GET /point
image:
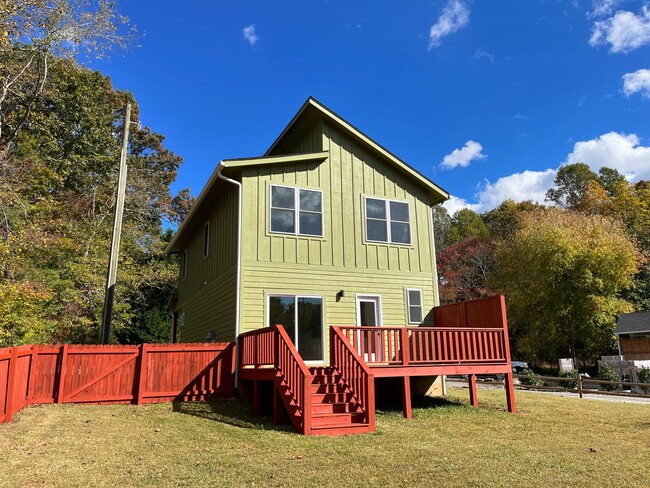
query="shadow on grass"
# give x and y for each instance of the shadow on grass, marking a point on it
(231, 411)
(420, 402)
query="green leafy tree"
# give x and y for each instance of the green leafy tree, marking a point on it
(441, 224)
(504, 220)
(465, 224)
(570, 183)
(562, 273)
(57, 198)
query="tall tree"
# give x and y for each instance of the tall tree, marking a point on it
(441, 223)
(562, 273)
(465, 224)
(57, 204)
(570, 183)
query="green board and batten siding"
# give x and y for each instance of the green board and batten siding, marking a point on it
(341, 259)
(207, 294)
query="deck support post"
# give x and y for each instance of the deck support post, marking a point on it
(406, 398)
(277, 406)
(257, 398)
(510, 393)
(473, 397)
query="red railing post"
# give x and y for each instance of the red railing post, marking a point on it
(406, 349)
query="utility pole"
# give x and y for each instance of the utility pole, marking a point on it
(111, 277)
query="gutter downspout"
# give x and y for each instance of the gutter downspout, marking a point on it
(239, 233)
(437, 282)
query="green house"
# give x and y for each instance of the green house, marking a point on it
(326, 228)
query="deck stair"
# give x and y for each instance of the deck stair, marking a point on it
(334, 409)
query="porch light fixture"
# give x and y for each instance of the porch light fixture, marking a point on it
(340, 294)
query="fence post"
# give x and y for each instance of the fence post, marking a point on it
(141, 379)
(11, 385)
(30, 382)
(579, 385)
(62, 373)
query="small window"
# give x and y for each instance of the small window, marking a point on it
(206, 239)
(184, 265)
(388, 221)
(414, 304)
(296, 211)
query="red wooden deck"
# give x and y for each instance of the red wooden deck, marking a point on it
(470, 338)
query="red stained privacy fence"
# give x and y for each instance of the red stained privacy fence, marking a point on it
(149, 373)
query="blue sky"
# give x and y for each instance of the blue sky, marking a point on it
(485, 98)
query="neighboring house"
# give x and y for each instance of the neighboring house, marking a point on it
(329, 236)
(335, 229)
(633, 334)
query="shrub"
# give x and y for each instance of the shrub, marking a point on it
(569, 374)
(644, 377)
(607, 373)
(529, 381)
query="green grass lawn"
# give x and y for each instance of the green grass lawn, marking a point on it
(552, 441)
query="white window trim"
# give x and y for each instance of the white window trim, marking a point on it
(408, 305)
(295, 319)
(388, 220)
(184, 264)
(206, 239)
(296, 210)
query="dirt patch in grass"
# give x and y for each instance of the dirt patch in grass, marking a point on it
(551, 441)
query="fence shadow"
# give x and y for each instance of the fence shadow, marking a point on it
(394, 404)
(231, 411)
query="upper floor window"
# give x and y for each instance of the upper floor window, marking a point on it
(296, 211)
(184, 265)
(388, 221)
(206, 239)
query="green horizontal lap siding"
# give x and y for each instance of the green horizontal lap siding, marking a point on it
(211, 310)
(207, 295)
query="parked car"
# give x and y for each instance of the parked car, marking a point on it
(519, 366)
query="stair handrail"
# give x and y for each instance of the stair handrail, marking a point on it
(296, 375)
(354, 371)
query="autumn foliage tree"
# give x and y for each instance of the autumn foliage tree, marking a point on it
(562, 272)
(59, 154)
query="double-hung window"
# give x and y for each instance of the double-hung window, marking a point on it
(388, 221)
(414, 305)
(296, 211)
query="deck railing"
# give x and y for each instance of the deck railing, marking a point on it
(354, 371)
(272, 347)
(427, 345)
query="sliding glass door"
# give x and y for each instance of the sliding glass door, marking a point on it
(302, 318)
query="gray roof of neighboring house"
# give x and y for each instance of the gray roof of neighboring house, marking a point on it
(629, 323)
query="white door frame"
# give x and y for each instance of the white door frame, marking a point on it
(376, 299)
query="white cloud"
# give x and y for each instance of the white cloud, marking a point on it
(454, 17)
(250, 35)
(637, 82)
(600, 8)
(527, 185)
(624, 32)
(480, 54)
(463, 156)
(619, 151)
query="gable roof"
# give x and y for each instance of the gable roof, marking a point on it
(312, 109)
(630, 323)
(310, 112)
